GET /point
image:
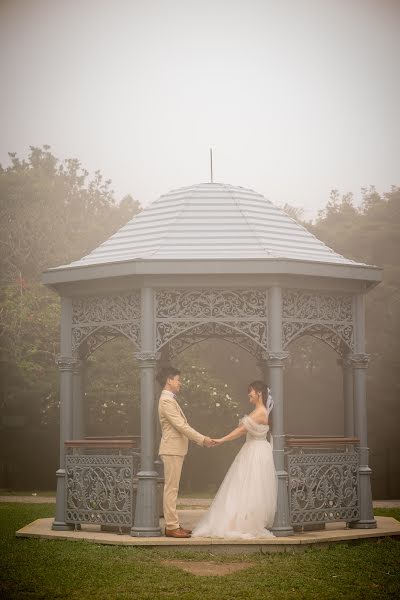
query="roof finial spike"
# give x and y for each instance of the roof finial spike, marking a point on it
(211, 166)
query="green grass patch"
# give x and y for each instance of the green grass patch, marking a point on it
(387, 512)
(9, 492)
(45, 569)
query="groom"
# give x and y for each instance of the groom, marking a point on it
(175, 435)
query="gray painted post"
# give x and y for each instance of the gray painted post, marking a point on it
(66, 364)
(347, 373)
(275, 361)
(147, 522)
(78, 422)
(360, 363)
(159, 465)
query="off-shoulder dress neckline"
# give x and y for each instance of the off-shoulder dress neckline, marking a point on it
(255, 422)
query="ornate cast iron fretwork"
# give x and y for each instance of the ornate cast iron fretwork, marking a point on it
(184, 316)
(97, 319)
(212, 330)
(99, 488)
(327, 317)
(323, 486)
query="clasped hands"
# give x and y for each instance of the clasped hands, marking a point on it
(210, 442)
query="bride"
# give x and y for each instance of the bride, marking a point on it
(245, 504)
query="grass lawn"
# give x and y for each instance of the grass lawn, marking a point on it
(47, 569)
(8, 492)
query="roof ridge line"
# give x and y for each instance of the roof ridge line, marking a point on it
(250, 226)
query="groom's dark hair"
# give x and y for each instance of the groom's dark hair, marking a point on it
(166, 373)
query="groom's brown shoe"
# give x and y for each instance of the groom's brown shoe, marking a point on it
(184, 529)
(177, 533)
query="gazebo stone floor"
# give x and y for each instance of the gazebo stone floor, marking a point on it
(333, 533)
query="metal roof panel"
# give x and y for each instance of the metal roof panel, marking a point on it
(211, 221)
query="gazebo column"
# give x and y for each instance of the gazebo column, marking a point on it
(163, 362)
(66, 364)
(275, 361)
(78, 405)
(147, 521)
(360, 363)
(347, 373)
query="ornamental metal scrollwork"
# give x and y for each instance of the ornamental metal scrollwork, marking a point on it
(323, 486)
(96, 338)
(103, 309)
(327, 317)
(96, 319)
(231, 314)
(206, 303)
(99, 488)
(208, 330)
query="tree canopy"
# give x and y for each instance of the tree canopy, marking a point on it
(52, 212)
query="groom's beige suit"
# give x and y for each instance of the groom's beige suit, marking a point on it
(175, 435)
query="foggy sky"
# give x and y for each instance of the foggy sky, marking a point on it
(295, 96)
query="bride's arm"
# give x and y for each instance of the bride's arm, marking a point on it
(233, 435)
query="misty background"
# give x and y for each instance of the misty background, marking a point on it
(296, 97)
(105, 106)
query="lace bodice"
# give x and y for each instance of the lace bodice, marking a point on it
(255, 431)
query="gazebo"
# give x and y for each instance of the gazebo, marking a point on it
(215, 260)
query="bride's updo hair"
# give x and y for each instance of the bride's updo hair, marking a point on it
(261, 388)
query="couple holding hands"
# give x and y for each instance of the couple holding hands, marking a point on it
(245, 504)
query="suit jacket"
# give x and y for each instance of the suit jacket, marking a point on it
(175, 430)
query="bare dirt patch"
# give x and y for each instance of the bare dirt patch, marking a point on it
(207, 569)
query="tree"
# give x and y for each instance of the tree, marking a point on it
(371, 234)
(51, 213)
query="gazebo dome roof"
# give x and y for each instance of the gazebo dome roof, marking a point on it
(212, 228)
(212, 221)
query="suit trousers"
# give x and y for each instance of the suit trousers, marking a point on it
(172, 475)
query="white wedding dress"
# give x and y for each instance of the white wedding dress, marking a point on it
(245, 504)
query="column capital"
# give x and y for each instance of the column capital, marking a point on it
(359, 361)
(275, 359)
(147, 358)
(66, 363)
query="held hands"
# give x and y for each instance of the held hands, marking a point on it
(209, 442)
(218, 441)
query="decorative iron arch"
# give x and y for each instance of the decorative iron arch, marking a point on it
(97, 319)
(238, 314)
(209, 330)
(324, 333)
(327, 317)
(97, 338)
